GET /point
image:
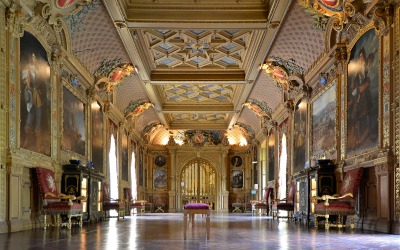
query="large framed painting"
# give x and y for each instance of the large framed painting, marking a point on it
(271, 157)
(35, 96)
(324, 122)
(124, 157)
(97, 137)
(74, 133)
(299, 136)
(237, 179)
(160, 178)
(363, 94)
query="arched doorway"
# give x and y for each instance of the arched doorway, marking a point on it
(198, 183)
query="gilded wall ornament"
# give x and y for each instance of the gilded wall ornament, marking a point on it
(135, 108)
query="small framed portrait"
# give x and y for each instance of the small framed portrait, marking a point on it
(160, 161)
(236, 161)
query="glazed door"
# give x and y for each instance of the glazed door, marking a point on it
(198, 183)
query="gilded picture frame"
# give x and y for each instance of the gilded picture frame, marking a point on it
(35, 96)
(363, 97)
(97, 136)
(74, 120)
(323, 122)
(160, 179)
(237, 179)
(300, 136)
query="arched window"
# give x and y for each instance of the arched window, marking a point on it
(282, 169)
(113, 170)
(133, 177)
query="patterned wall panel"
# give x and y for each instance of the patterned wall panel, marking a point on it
(129, 90)
(267, 91)
(248, 117)
(149, 116)
(298, 39)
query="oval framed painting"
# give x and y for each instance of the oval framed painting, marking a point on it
(160, 161)
(236, 161)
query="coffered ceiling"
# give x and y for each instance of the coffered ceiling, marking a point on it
(197, 61)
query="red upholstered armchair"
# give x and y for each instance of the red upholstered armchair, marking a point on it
(264, 205)
(57, 204)
(111, 203)
(131, 203)
(342, 204)
(284, 204)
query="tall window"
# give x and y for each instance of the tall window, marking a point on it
(282, 169)
(133, 177)
(113, 170)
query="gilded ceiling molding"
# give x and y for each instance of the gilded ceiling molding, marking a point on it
(75, 21)
(55, 10)
(246, 129)
(286, 73)
(320, 21)
(199, 138)
(110, 74)
(260, 109)
(135, 108)
(150, 128)
(339, 11)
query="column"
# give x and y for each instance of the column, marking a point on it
(173, 196)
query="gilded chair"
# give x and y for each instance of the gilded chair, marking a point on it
(131, 203)
(263, 206)
(109, 203)
(339, 205)
(286, 204)
(57, 204)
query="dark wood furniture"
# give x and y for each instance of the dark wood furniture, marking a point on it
(79, 180)
(316, 181)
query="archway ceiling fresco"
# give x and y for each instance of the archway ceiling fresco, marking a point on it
(197, 61)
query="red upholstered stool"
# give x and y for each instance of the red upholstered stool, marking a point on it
(192, 209)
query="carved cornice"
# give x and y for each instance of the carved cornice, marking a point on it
(340, 12)
(382, 19)
(136, 108)
(109, 75)
(260, 109)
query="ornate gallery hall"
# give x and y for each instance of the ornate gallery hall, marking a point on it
(192, 124)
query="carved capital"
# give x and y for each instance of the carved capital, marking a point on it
(14, 17)
(383, 19)
(91, 93)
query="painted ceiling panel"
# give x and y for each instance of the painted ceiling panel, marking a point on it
(148, 117)
(94, 37)
(130, 89)
(266, 90)
(249, 118)
(298, 39)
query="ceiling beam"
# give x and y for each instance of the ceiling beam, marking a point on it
(198, 77)
(182, 108)
(194, 126)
